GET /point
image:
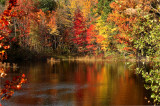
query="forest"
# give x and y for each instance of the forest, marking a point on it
(107, 29)
(79, 28)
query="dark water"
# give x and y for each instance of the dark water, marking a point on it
(78, 84)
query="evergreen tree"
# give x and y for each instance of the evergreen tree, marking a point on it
(47, 5)
(103, 8)
(2, 2)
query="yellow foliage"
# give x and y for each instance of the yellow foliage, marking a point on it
(103, 31)
(83, 5)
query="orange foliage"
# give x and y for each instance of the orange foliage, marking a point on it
(5, 21)
(100, 39)
(11, 86)
(125, 15)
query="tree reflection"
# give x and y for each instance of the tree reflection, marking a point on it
(9, 87)
(107, 84)
(81, 84)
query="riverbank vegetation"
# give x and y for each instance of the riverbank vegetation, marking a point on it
(102, 28)
(90, 27)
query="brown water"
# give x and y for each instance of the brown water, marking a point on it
(78, 84)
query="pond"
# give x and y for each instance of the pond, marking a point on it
(78, 84)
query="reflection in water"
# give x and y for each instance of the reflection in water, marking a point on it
(81, 84)
(8, 85)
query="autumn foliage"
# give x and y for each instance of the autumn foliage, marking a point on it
(91, 37)
(5, 31)
(11, 86)
(75, 26)
(5, 21)
(79, 29)
(125, 15)
(124, 21)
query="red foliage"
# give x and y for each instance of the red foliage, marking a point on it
(5, 21)
(26, 14)
(79, 29)
(11, 86)
(13, 2)
(91, 38)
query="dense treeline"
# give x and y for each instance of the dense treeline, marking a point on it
(88, 27)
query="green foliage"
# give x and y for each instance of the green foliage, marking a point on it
(47, 5)
(2, 2)
(146, 41)
(147, 36)
(103, 8)
(152, 81)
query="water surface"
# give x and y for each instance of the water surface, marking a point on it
(78, 84)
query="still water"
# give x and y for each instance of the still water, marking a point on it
(78, 84)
